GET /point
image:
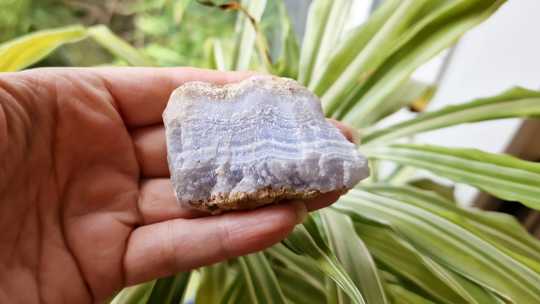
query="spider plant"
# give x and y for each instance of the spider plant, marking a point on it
(388, 240)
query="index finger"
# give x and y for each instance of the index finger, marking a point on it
(141, 94)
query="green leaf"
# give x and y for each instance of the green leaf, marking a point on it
(306, 240)
(379, 46)
(307, 269)
(352, 45)
(137, 294)
(215, 280)
(287, 63)
(517, 102)
(214, 55)
(402, 295)
(236, 293)
(325, 22)
(430, 36)
(260, 280)
(501, 175)
(354, 256)
(163, 56)
(24, 51)
(448, 244)
(412, 93)
(404, 260)
(152, 25)
(179, 8)
(444, 190)
(501, 230)
(246, 35)
(170, 289)
(297, 290)
(117, 46)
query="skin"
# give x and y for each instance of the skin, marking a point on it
(86, 206)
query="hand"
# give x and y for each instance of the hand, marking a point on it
(86, 206)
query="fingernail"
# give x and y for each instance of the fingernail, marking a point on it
(301, 211)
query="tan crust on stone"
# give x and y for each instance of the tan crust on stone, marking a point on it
(243, 200)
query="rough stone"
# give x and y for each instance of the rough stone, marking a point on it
(247, 144)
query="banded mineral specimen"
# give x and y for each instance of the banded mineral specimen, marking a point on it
(247, 144)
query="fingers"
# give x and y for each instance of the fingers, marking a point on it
(178, 245)
(157, 202)
(142, 93)
(323, 200)
(349, 133)
(151, 151)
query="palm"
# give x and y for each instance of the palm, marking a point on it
(90, 205)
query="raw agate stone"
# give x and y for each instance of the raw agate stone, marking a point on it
(255, 142)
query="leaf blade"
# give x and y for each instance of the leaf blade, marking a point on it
(501, 175)
(517, 102)
(22, 52)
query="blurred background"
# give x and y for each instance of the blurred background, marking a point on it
(500, 53)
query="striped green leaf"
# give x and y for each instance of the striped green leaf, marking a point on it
(448, 244)
(430, 36)
(325, 22)
(304, 268)
(501, 230)
(307, 241)
(246, 35)
(289, 268)
(403, 260)
(24, 51)
(215, 280)
(354, 256)
(402, 295)
(287, 63)
(170, 289)
(137, 294)
(517, 102)
(501, 175)
(353, 43)
(214, 55)
(237, 293)
(260, 281)
(373, 54)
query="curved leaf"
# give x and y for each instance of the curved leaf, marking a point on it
(499, 229)
(376, 51)
(260, 280)
(22, 52)
(325, 22)
(351, 46)
(246, 35)
(214, 55)
(306, 240)
(432, 35)
(449, 245)
(404, 260)
(354, 256)
(517, 102)
(215, 280)
(117, 46)
(170, 289)
(501, 175)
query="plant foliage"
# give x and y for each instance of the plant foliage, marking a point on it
(386, 241)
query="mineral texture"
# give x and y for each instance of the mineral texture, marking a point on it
(247, 144)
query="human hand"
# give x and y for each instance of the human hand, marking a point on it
(86, 206)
